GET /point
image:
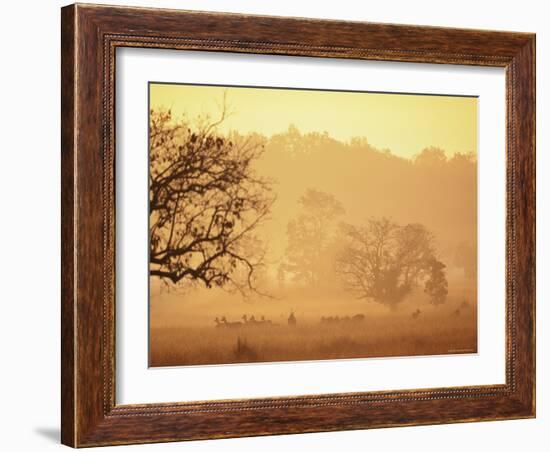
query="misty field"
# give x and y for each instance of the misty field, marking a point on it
(289, 225)
(442, 331)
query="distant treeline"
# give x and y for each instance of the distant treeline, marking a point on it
(433, 188)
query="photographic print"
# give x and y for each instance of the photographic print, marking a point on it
(302, 224)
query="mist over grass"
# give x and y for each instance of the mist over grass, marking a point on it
(195, 340)
(435, 332)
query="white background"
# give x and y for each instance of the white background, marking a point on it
(137, 384)
(29, 328)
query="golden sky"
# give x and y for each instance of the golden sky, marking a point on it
(403, 123)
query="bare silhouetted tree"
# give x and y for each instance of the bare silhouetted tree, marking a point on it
(383, 261)
(205, 203)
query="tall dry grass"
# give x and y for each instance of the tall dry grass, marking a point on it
(440, 331)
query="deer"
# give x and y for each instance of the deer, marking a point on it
(332, 319)
(345, 319)
(218, 323)
(264, 321)
(250, 321)
(416, 314)
(291, 319)
(230, 324)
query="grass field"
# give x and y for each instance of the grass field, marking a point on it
(439, 331)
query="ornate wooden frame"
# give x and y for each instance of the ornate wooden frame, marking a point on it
(90, 35)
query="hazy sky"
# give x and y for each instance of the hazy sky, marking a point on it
(405, 124)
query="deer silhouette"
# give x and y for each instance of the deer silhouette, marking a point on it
(330, 319)
(230, 324)
(250, 321)
(265, 321)
(345, 319)
(292, 319)
(416, 314)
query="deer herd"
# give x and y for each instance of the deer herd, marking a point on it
(252, 321)
(345, 319)
(222, 322)
(246, 321)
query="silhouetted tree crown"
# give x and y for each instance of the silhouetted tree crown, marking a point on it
(309, 237)
(383, 261)
(436, 285)
(431, 157)
(205, 201)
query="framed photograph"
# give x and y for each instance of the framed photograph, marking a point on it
(281, 225)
